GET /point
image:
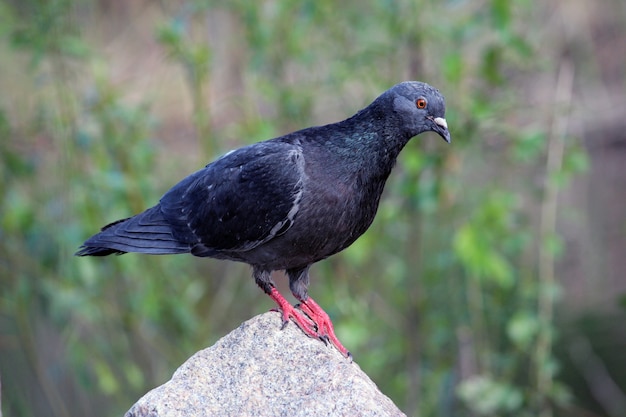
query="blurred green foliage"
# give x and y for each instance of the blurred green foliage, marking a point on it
(440, 302)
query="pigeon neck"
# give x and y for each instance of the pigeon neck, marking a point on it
(364, 148)
(380, 135)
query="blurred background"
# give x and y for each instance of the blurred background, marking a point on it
(492, 281)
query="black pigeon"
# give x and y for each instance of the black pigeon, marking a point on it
(285, 203)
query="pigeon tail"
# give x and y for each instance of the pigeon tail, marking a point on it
(148, 232)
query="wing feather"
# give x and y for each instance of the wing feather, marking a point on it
(239, 201)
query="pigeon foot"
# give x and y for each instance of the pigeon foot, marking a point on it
(326, 331)
(314, 322)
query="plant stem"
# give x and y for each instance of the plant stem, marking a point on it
(556, 145)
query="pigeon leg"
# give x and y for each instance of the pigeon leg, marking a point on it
(298, 283)
(264, 280)
(317, 325)
(310, 317)
(325, 331)
(307, 325)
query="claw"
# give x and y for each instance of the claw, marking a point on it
(325, 326)
(311, 318)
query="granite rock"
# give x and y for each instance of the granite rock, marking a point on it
(260, 370)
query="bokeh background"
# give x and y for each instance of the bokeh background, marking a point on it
(492, 282)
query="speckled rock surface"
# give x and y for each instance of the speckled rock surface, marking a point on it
(260, 370)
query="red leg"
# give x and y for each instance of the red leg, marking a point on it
(316, 325)
(326, 331)
(306, 324)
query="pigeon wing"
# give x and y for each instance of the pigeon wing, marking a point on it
(239, 201)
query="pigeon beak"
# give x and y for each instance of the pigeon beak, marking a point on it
(441, 127)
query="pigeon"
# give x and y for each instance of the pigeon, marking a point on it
(287, 202)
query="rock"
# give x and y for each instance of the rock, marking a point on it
(260, 370)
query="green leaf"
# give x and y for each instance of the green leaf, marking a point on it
(453, 66)
(74, 46)
(106, 379)
(528, 145)
(576, 160)
(481, 260)
(554, 244)
(486, 396)
(522, 329)
(491, 68)
(501, 13)
(498, 270)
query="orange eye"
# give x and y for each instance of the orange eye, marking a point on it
(420, 103)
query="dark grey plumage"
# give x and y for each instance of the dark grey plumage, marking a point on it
(285, 203)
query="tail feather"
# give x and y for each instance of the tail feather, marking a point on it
(148, 232)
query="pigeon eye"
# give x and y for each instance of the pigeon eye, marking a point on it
(420, 103)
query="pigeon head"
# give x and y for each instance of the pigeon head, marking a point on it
(418, 107)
